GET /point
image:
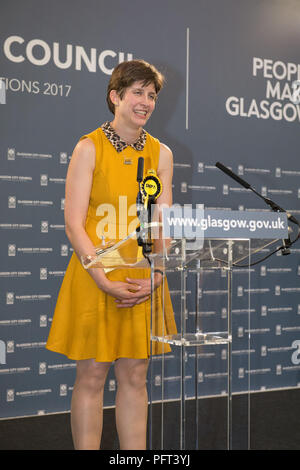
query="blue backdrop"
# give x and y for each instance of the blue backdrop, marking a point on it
(229, 66)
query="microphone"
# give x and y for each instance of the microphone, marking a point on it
(142, 213)
(140, 170)
(150, 188)
(275, 207)
(233, 175)
(139, 178)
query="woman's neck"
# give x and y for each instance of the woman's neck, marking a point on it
(126, 133)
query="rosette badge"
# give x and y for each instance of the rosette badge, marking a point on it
(151, 185)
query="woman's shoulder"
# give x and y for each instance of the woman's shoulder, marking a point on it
(151, 138)
(92, 136)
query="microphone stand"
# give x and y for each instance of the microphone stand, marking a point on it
(287, 243)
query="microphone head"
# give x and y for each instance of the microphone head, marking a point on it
(140, 170)
(223, 168)
(233, 175)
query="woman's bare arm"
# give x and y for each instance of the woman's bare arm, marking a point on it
(78, 188)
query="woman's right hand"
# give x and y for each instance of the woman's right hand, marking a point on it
(122, 291)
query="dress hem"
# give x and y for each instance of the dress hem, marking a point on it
(73, 358)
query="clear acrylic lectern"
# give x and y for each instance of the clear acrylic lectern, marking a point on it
(200, 383)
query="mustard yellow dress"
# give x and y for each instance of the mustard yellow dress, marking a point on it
(86, 322)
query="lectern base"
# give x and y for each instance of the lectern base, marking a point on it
(195, 339)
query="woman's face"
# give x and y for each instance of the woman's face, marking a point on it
(137, 104)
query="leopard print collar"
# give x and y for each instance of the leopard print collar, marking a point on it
(120, 144)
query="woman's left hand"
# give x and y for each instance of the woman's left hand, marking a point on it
(144, 292)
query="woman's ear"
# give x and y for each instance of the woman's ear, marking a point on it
(114, 97)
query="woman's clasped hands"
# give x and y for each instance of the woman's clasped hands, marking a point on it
(132, 292)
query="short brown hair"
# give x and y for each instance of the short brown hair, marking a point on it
(128, 72)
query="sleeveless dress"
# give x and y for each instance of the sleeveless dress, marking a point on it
(86, 322)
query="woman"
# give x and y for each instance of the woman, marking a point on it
(101, 318)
